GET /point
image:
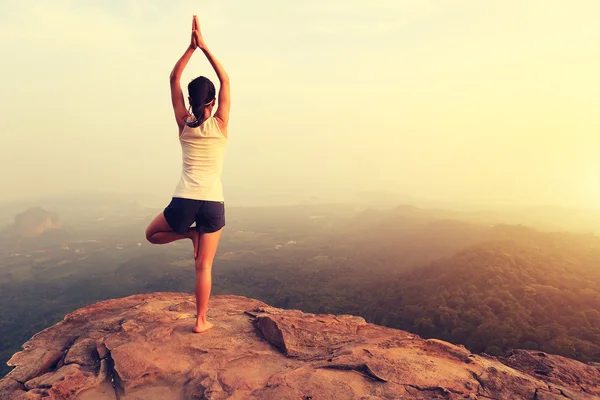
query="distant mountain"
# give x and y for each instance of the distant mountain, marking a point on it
(77, 206)
(35, 221)
(557, 218)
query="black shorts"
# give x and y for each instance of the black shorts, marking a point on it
(182, 213)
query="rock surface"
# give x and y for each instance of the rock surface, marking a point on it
(142, 347)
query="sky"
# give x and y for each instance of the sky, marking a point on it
(460, 100)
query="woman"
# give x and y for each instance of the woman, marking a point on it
(199, 195)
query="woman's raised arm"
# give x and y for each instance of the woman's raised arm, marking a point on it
(181, 112)
(222, 113)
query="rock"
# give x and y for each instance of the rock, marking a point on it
(142, 347)
(556, 370)
(83, 352)
(35, 221)
(34, 363)
(305, 336)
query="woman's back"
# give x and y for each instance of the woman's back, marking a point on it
(202, 151)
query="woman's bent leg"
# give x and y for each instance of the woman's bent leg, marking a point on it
(207, 248)
(159, 232)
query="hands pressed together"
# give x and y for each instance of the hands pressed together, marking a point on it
(197, 41)
(181, 112)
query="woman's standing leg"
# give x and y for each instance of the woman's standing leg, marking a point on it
(207, 248)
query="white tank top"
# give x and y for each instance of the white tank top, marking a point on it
(202, 151)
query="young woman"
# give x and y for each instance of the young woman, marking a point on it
(199, 195)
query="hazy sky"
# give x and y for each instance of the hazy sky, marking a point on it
(463, 100)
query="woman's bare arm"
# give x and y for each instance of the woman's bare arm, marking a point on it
(181, 112)
(222, 113)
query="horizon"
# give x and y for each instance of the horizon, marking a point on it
(391, 198)
(543, 218)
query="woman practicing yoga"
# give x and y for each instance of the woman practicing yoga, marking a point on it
(199, 195)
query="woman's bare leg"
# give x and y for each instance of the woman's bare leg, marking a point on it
(159, 232)
(207, 248)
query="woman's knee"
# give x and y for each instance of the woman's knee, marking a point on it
(203, 265)
(149, 233)
(158, 224)
(149, 239)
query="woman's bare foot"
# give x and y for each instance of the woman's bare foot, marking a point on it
(202, 326)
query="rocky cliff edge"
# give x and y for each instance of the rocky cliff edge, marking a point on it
(141, 347)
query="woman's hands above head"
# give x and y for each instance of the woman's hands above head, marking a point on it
(193, 43)
(197, 42)
(197, 39)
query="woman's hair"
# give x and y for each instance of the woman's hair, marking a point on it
(201, 91)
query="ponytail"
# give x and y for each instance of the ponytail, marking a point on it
(202, 93)
(198, 113)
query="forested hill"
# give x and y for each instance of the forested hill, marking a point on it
(525, 289)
